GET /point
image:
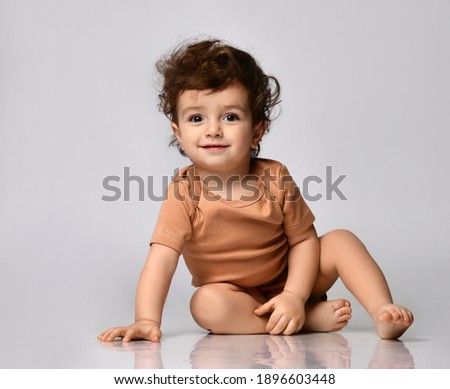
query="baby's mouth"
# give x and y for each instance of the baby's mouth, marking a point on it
(214, 147)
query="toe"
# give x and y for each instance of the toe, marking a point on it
(396, 315)
(344, 318)
(343, 311)
(340, 325)
(410, 317)
(386, 317)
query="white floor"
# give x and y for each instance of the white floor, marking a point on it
(59, 330)
(348, 349)
(351, 348)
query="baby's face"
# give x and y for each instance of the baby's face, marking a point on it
(216, 131)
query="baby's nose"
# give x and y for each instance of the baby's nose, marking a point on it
(213, 128)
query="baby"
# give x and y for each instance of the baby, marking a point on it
(245, 232)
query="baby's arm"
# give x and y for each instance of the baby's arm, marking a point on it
(288, 308)
(151, 294)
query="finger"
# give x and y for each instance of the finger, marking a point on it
(111, 334)
(99, 336)
(263, 309)
(273, 321)
(280, 325)
(117, 332)
(104, 336)
(155, 335)
(291, 327)
(129, 335)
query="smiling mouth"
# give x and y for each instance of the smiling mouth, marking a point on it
(214, 147)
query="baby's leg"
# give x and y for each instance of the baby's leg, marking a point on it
(227, 309)
(343, 255)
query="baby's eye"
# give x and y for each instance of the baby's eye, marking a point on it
(195, 118)
(231, 117)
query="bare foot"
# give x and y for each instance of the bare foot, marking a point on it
(327, 316)
(392, 320)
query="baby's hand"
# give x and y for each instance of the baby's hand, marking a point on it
(142, 329)
(288, 313)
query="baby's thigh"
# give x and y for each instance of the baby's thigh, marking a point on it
(223, 290)
(224, 308)
(224, 297)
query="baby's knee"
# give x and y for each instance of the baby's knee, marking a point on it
(340, 244)
(208, 307)
(203, 298)
(339, 236)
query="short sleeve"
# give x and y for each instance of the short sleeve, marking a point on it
(298, 218)
(174, 225)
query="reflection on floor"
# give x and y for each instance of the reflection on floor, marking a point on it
(318, 350)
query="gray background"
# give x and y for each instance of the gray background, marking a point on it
(365, 89)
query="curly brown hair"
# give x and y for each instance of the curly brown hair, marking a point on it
(213, 64)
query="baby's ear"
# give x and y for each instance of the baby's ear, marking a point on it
(258, 132)
(176, 130)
